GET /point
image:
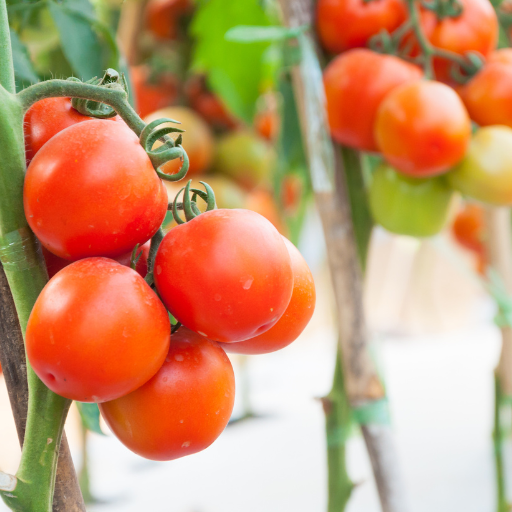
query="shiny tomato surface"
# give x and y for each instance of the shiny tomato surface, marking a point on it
(225, 274)
(295, 318)
(92, 191)
(97, 331)
(183, 408)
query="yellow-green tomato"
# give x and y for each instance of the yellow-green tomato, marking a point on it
(485, 172)
(409, 206)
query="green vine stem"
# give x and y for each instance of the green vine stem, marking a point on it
(500, 402)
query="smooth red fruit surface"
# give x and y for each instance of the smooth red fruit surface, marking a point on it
(183, 408)
(163, 17)
(46, 118)
(503, 55)
(476, 30)
(225, 274)
(152, 93)
(468, 227)
(97, 331)
(488, 95)
(295, 318)
(92, 191)
(355, 85)
(422, 128)
(346, 24)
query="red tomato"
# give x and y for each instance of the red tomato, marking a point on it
(151, 94)
(225, 274)
(422, 128)
(503, 55)
(163, 17)
(488, 95)
(476, 29)
(292, 190)
(92, 191)
(267, 124)
(468, 227)
(46, 118)
(355, 83)
(97, 331)
(295, 318)
(345, 24)
(54, 263)
(183, 408)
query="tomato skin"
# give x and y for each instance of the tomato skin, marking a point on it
(197, 140)
(225, 274)
(97, 331)
(409, 206)
(46, 118)
(468, 227)
(355, 84)
(184, 408)
(163, 17)
(92, 191)
(346, 24)
(295, 318)
(152, 96)
(485, 173)
(503, 55)
(488, 95)
(422, 128)
(245, 157)
(261, 201)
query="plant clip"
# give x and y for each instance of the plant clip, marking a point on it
(169, 150)
(189, 205)
(110, 80)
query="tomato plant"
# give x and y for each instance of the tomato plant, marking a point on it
(163, 17)
(468, 227)
(225, 274)
(409, 206)
(422, 128)
(198, 141)
(485, 172)
(183, 408)
(360, 20)
(97, 331)
(92, 191)
(295, 318)
(355, 84)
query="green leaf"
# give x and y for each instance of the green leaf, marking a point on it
(252, 34)
(234, 70)
(90, 415)
(23, 68)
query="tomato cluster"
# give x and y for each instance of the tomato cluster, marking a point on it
(100, 330)
(380, 101)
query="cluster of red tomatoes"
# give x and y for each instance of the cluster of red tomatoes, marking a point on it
(100, 332)
(434, 137)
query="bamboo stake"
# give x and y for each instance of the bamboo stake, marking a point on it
(362, 382)
(129, 29)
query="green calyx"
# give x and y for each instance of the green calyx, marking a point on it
(189, 204)
(169, 150)
(443, 8)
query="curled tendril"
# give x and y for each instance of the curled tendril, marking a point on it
(111, 80)
(169, 150)
(189, 205)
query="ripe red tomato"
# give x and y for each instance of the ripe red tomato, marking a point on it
(488, 95)
(422, 128)
(345, 24)
(355, 84)
(152, 93)
(46, 118)
(468, 227)
(295, 318)
(476, 29)
(163, 17)
(183, 408)
(97, 331)
(54, 263)
(92, 191)
(503, 55)
(267, 123)
(225, 274)
(197, 140)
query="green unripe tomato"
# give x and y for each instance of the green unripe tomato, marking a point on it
(485, 172)
(409, 206)
(245, 157)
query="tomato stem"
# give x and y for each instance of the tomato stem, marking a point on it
(6, 69)
(500, 402)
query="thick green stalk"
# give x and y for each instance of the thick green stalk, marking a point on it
(6, 65)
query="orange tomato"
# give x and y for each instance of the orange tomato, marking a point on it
(163, 17)
(422, 128)
(469, 226)
(355, 84)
